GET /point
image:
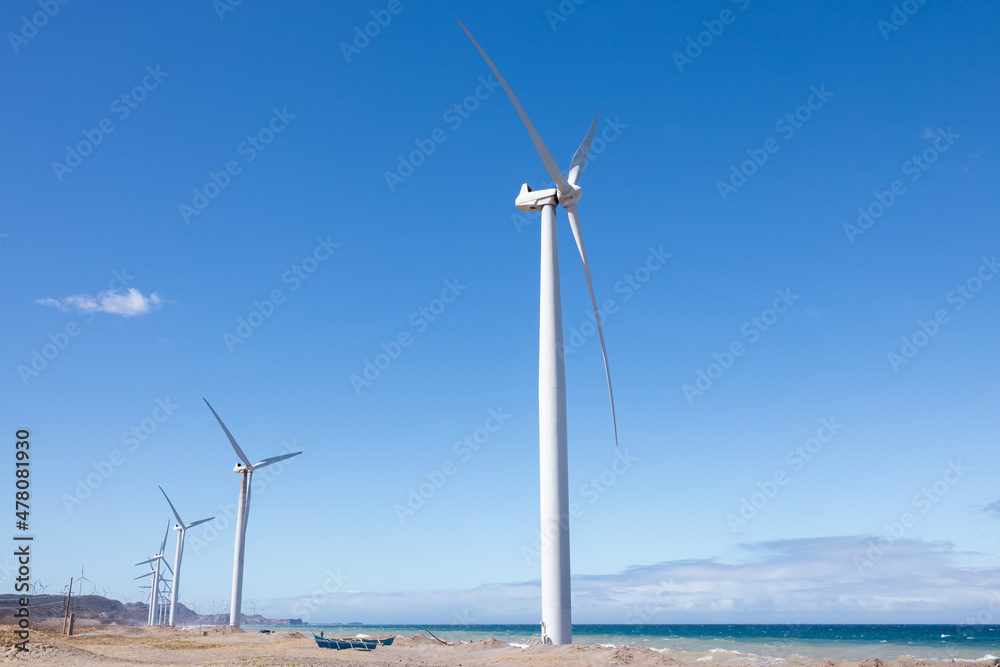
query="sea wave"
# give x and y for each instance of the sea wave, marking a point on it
(988, 656)
(741, 657)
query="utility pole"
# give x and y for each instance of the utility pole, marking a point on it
(69, 595)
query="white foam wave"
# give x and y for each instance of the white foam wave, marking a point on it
(988, 656)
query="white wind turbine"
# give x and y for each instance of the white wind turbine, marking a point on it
(181, 528)
(82, 579)
(556, 605)
(246, 470)
(155, 573)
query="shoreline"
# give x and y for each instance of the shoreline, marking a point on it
(772, 650)
(221, 645)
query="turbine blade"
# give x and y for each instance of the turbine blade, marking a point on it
(146, 561)
(142, 576)
(239, 452)
(574, 222)
(551, 166)
(168, 567)
(172, 508)
(582, 153)
(273, 459)
(163, 544)
(197, 523)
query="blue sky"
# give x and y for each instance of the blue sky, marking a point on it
(171, 171)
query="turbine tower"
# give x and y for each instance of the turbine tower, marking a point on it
(552, 445)
(246, 470)
(155, 572)
(180, 528)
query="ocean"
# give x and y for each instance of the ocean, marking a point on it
(746, 644)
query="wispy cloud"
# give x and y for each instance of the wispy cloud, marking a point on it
(791, 581)
(127, 304)
(993, 508)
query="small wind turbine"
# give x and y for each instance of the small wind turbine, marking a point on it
(79, 590)
(556, 606)
(142, 596)
(181, 528)
(246, 469)
(155, 572)
(38, 588)
(161, 610)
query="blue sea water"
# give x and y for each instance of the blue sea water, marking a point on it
(746, 644)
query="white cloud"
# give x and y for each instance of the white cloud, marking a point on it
(813, 580)
(127, 304)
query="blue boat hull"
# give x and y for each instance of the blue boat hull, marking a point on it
(341, 643)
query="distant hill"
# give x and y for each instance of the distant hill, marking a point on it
(113, 612)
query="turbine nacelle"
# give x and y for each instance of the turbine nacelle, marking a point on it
(529, 200)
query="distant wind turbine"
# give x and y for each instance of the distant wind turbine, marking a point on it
(79, 590)
(155, 573)
(246, 470)
(556, 612)
(181, 528)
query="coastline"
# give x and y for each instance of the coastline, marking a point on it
(220, 645)
(717, 648)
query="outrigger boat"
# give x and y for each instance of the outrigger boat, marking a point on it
(356, 643)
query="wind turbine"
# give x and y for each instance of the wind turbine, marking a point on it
(155, 572)
(161, 609)
(556, 605)
(180, 528)
(152, 604)
(246, 469)
(79, 591)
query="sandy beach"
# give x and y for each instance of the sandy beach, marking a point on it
(217, 646)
